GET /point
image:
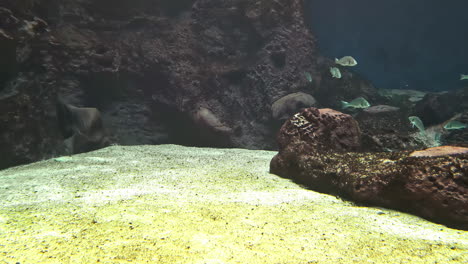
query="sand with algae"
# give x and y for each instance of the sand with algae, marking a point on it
(174, 204)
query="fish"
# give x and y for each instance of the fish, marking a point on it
(346, 61)
(335, 72)
(417, 122)
(359, 102)
(463, 76)
(308, 76)
(452, 125)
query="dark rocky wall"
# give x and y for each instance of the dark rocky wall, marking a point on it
(159, 71)
(28, 85)
(198, 73)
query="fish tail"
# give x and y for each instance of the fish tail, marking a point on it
(344, 104)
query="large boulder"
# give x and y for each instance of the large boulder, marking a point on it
(431, 183)
(320, 130)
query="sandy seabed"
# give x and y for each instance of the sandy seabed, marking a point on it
(174, 204)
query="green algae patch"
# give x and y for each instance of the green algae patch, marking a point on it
(173, 204)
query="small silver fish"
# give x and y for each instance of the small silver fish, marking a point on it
(417, 122)
(335, 72)
(359, 102)
(346, 61)
(463, 77)
(452, 125)
(308, 76)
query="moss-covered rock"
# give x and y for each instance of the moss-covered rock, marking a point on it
(432, 183)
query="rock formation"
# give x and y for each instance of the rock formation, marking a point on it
(148, 66)
(431, 183)
(386, 128)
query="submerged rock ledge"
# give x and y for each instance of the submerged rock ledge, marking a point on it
(316, 152)
(173, 204)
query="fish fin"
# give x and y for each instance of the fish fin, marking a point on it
(344, 104)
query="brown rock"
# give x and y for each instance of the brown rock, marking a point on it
(321, 130)
(386, 128)
(432, 183)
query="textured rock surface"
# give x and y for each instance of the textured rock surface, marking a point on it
(386, 128)
(316, 129)
(428, 185)
(173, 204)
(28, 129)
(149, 66)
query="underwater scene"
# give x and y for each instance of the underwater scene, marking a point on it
(233, 131)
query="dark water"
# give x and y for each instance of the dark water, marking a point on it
(399, 44)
